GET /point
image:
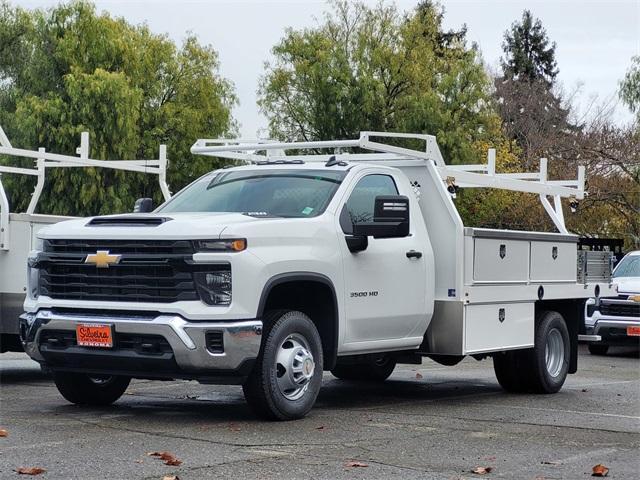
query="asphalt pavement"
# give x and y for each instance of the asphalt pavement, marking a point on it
(425, 422)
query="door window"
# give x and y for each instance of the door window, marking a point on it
(359, 207)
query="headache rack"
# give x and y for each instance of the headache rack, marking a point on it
(262, 152)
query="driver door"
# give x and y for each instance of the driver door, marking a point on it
(385, 289)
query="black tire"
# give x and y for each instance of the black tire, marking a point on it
(376, 369)
(541, 380)
(595, 349)
(507, 367)
(527, 370)
(263, 389)
(83, 389)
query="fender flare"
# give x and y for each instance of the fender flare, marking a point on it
(291, 277)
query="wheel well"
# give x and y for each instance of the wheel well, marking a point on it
(572, 311)
(316, 298)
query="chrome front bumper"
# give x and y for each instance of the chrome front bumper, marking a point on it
(187, 339)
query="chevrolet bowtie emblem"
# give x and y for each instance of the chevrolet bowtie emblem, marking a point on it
(102, 259)
(635, 298)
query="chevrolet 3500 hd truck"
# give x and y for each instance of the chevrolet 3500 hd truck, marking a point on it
(267, 274)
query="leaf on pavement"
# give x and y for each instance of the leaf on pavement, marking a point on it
(30, 470)
(168, 458)
(600, 471)
(171, 477)
(418, 375)
(354, 463)
(3, 433)
(482, 470)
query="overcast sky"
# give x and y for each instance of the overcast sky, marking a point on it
(595, 39)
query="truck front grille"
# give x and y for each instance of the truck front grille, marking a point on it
(147, 271)
(620, 309)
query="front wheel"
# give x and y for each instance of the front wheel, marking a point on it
(84, 389)
(287, 376)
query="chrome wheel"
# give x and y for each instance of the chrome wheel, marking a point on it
(294, 366)
(554, 352)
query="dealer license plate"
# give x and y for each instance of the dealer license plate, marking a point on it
(94, 335)
(633, 331)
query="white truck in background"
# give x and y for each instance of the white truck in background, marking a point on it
(267, 274)
(18, 231)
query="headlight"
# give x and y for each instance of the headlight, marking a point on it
(33, 276)
(228, 245)
(214, 287)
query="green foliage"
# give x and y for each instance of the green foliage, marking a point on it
(372, 68)
(630, 86)
(528, 55)
(70, 69)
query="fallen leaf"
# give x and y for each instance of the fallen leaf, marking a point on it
(354, 463)
(482, 470)
(418, 375)
(168, 458)
(171, 477)
(3, 433)
(30, 470)
(600, 471)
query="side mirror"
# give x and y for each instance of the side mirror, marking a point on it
(390, 218)
(143, 205)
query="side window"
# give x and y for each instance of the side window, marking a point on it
(359, 207)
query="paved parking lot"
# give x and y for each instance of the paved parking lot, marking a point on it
(425, 422)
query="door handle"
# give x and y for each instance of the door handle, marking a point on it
(414, 254)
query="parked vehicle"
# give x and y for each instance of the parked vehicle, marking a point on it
(18, 231)
(267, 274)
(615, 321)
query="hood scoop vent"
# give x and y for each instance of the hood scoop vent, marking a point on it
(127, 221)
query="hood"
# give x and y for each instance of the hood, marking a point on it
(627, 284)
(147, 225)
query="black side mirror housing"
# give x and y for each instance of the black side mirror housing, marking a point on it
(143, 205)
(390, 218)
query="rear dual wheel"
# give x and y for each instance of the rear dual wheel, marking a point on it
(375, 369)
(541, 369)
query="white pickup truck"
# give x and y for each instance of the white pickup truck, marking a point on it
(270, 273)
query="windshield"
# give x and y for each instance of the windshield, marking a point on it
(629, 266)
(282, 193)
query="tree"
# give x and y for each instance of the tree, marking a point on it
(528, 55)
(531, 109)
(630, 86)
(70, 69)
(375, 69)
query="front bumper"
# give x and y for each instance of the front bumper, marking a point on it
(185, 352)
(610, 330)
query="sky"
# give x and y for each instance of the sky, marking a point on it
(595, 39)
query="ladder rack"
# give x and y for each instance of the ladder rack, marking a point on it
(454, 176)
(45, 160)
